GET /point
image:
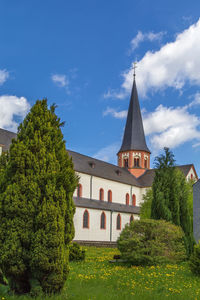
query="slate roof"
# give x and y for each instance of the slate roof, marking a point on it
(99, 168)
(6, 138)
(147, 178)
(103, 205)
(134, 138)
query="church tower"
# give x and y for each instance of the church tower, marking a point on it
(134, 153)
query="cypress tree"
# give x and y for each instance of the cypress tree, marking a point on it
(171, 196)
(36, 205)
(164, 204)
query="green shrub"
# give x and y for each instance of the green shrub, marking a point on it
(151, 242)
(75, 252)
(195, 260)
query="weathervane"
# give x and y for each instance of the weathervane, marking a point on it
(134, 68)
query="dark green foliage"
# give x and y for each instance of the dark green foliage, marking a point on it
(75, 252)
(171, 196)
(186, 220)
(145, 210)
(189, 186)
(165, 201)
(2, 279)
(36, 206)
(151, 242)
(195, 260)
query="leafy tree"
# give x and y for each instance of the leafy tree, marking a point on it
(145, 210)
(171, 196)
(36, 205)
(150, 242)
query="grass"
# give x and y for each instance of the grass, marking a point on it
(96, 278)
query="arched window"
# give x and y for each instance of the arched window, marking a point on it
(109, 196)
(125, 162)
(103, 221)
(131, 218)
(145, 163)
(101, 194)
(79, 191)
(136, 162)
(191, 176)
(86, 219)
(133, 200)
(118, 222)
(127, 199)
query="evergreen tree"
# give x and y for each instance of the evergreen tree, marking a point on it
(164, 203)
(171, 196)
(145, 209)
(36, 204)
(183, 191)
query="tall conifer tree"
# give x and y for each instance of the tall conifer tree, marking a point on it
(36, 205)
(170, 196)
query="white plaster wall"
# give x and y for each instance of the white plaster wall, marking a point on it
(85, 182)
(118, 189)
(94, 233)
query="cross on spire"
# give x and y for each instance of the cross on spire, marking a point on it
(134, 68)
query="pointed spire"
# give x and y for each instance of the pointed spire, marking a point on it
(134, 138)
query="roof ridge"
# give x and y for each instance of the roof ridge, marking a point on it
(8, 131)
(119, 168)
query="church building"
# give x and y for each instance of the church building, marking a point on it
(109, 196)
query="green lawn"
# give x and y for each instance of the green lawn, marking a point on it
(96, 278)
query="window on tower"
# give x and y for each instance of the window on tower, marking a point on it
(136, 162)
(145, 163)
(125, 162)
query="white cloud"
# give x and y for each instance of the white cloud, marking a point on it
(141, 37)
(10, 108)
(166, 126)
(196, 100)
(196, 145)
(173, 65)
(171, 127)
(60, 79)
(3, 76)
(115, 94)
(116, 114)
(108, 153)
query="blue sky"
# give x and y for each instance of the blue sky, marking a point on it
(79, 55)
